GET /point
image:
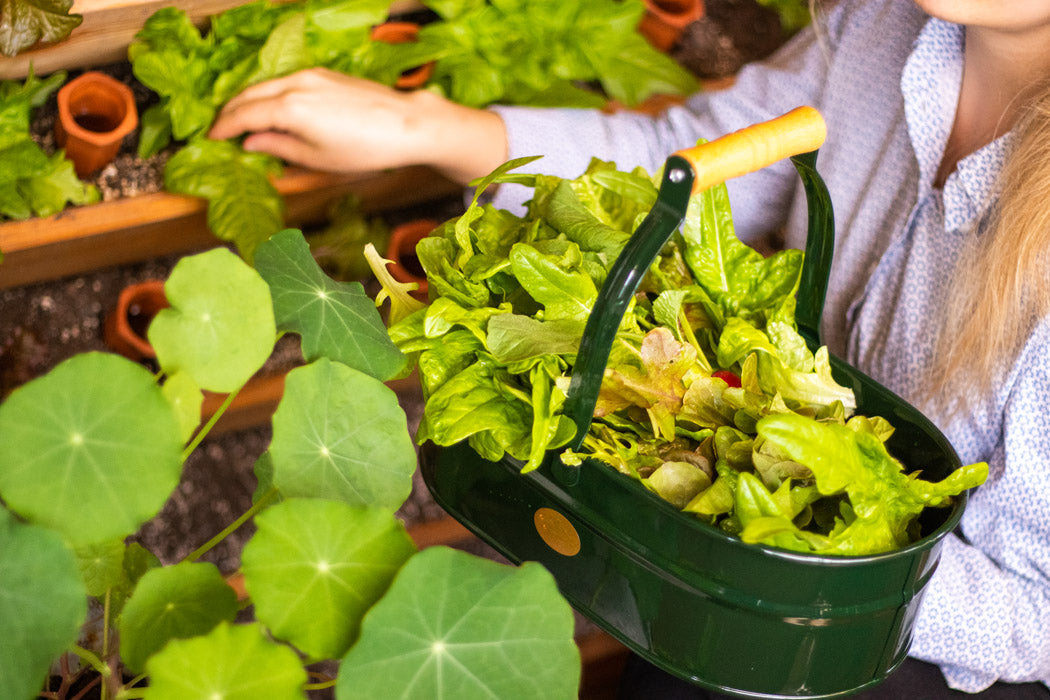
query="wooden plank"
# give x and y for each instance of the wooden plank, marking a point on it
(109, 27)
(122, 231)
(602, 658)
(253, 406)
(445, 531)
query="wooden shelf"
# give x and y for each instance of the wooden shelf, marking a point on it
(80, 239)
(109, 27)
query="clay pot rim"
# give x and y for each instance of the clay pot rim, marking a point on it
(403, 33)
(691, 11)
(414, 231)
(118, 332)
(69, 124)
(395, 32)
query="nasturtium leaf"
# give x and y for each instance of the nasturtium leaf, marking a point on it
(314, 567)
(91, 449)
(42, 605)
(173, 602)
(137, 561)
(219, 328)
(336, 320)
(101, 565)
(186, 398)
(263, 470)
(341, 434)
(232, 662)
(457, 627)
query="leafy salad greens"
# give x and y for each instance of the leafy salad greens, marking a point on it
(32, 183)
(711, 398)
(23, 23)
(544, 53)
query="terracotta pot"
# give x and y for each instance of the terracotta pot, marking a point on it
(95, 113)
(125, 327)
(404, 33)
(401, 251)
(665, 20)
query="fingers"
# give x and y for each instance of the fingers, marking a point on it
(261, 107)
(249, 115)
(286, 147)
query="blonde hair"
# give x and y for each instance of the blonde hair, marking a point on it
(1002, 284)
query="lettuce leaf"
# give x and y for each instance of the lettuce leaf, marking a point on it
(707, 367)
(32, 183)
(884, 500)
(23, 23)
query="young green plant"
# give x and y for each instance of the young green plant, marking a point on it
(93, 449)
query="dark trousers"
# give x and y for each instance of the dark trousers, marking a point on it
(914, 680)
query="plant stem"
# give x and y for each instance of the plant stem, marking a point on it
(105, 625)
(103, 690)
(91, 659)
(263, 501)
(87, 688)
(203, 432)
(319, 686)
(137, 679)
(130, 693)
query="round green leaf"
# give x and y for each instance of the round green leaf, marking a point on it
(137, 561)
(91, 449)
(186, 398)
(314, 567)
(42, 605)
(220, 328)
(456, 627)
(101, 566)
(340, 434)
(336, 320)
(173, 602)
(232, 662)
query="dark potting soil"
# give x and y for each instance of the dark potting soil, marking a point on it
(730, 34)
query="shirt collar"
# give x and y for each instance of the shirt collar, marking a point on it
(930, 86)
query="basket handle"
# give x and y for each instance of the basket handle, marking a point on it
(754, 147)
(687, 171)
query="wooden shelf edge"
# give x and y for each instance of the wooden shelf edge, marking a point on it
(81, 239)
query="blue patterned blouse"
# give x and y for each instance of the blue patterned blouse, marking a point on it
(886, 78)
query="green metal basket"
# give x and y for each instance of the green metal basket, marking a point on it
(743, 619)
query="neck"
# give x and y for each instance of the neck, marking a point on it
(1000, 71)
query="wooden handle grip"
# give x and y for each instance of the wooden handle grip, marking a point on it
(754, 147)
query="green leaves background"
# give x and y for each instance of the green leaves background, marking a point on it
(532, 53)
(31, 182)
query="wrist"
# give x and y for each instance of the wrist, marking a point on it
(462, 143)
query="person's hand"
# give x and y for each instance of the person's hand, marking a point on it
(325, 120)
